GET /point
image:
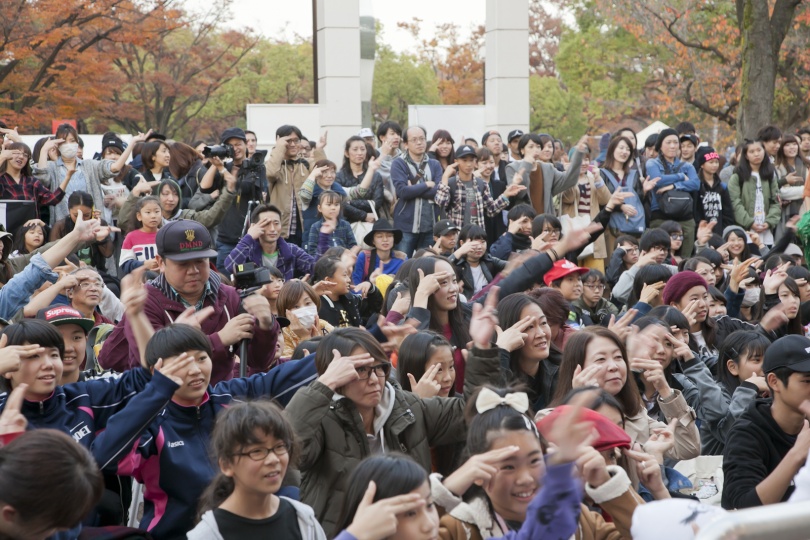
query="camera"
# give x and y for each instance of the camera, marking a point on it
(254, 162)
(249, 277)
(221, 151)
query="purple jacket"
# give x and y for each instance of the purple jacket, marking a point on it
(293, 261)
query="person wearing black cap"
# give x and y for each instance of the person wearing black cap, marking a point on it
(382, 238)
(445, 233)
(512, 140)
(186, 281)
(677, 184)
(769, 443)
(689, 145)
(251, 190)
(466, 199)
(713, 201)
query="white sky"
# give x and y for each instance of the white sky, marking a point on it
(277, 18)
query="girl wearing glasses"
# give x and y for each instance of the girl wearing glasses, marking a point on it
(352, 411)
(676, 241)
(253, 444)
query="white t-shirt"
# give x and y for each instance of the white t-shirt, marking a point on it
(479, 281)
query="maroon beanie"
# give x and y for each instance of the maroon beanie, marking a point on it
(679, 284)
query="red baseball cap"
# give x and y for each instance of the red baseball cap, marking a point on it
(562, 268)
(610, 435)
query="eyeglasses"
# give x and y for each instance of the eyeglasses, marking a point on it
(595, 286)
(85, 285)
(380, 370)
(676, 236)
(631, 250)
(553, 231)
(294, 141)
(417, 139)
(260, 454)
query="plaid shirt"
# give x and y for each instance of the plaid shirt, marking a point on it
(29, 189)
(452, 197)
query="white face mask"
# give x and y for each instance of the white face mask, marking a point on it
(69, 150)
(306, 315)
(751, 297)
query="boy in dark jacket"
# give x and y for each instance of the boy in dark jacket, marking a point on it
(518, 236)
(769, 443)
(477, 267)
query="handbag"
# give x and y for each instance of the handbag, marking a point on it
(676, 204)
(362, 228)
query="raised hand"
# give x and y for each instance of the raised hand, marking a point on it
(402, 304)
(256, 230)
(515, 336)
(321, 144)
(85, 230)
(12, 419)
(661, 441)
(378, 520)
(582, 144)
(478, 470)
(192, 317)
(650, 183)
(343, 369)
(651, 291)
(140, 137)
(705, 231)
(587, 377)
(427, 386)
(11, 356)
(624, 326)
(513, 189)
(484, 320)
(649, 472)
(174, 370)
(775, 278)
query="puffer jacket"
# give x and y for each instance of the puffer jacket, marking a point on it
(285, 178)
(335, 441)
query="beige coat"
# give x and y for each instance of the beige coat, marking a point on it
(600, 195)
(285, 179)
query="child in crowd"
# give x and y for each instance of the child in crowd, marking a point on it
(445, 233)
(139, 248)
(97, 253)
(299, 303)
(254, 444)
(29, 238)
(623, 258)
(338, 231)
(519, 233)
(591, 304)
(566, 277)
(471, 260)
(339, 306)
(382, 259)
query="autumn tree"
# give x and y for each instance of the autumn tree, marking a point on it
(545, 29)
(729, 60)
(52, 64)
(165, 83)
(400, 80)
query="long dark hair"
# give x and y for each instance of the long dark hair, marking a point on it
(459, 322)
(26, 169)
(347, 166)
(794, 325)
(509, 310)
(610, 161)
(414, 353)
(743, 168)
(393, 474)
(444, 134)
(135, 223)
(235, 430)
(574, 355)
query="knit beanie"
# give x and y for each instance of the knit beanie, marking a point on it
(704, 154)
(663, 135)
(733, 228)
(679, 284)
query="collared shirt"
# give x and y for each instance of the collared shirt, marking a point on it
(29, 189)
(455, 205)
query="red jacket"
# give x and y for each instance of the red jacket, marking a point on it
(120, 351)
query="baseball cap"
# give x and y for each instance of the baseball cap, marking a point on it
(365, 132)
(465, 150)
(562, 268)
(443, 227)
(63, 314)
(233, 133)
(514, 134)
(609, 434)
(183, 240)
(111, 140)
(792, 352)
(691, 138)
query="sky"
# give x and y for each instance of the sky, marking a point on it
(276, 18)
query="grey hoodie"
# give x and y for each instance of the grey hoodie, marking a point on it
(207, 528)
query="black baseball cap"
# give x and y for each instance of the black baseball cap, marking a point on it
(183, 240)
(465, 150)
(792, 352)
(233, 133)
(444, 226)
(63, 314)
(514, 134)
(691, 138)
(111, 140)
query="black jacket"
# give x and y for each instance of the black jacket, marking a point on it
(615, 267)
(490, 266)
(714, 203)
(754, 448)
(351, 309)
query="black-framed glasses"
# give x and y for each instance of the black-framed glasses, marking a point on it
(595, 286)
(553, 231)
(260, 454)
(380, 370)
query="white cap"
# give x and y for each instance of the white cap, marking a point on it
(366, 132)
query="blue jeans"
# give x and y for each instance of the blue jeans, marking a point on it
(412, 242)
(223, 250)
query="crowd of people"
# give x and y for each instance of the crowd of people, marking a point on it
(495, 338)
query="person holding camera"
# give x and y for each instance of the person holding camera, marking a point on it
(251, 187)
(185, 282)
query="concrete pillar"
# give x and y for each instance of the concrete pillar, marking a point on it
(507, 65)
(368, 52)
(337, 24)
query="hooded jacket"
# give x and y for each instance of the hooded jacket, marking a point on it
(165, 446)
(120, 351)
(207, 528)
(411, 196)
(335, 441)
(755, 446)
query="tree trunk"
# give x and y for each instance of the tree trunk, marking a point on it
(758, 70)
(762, 37)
